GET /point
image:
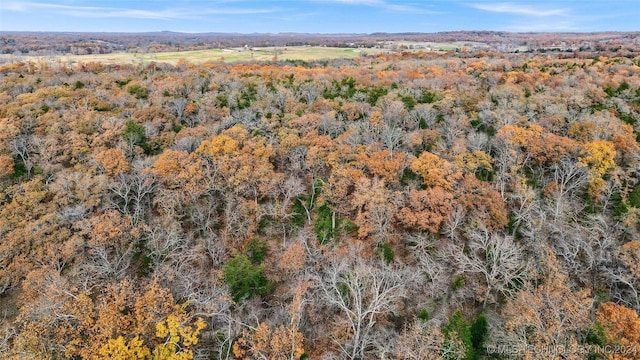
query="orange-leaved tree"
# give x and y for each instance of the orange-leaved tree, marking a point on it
(622, 327)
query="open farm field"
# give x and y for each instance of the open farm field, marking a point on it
(305, 53)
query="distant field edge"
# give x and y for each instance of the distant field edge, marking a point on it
(291, 53)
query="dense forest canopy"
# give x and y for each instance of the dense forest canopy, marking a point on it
(407, 206)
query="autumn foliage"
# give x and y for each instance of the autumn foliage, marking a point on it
(414, 205)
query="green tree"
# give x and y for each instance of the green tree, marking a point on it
(479, 331)
(457, 338)
(137, 90)
(245, 280)
(134, 133)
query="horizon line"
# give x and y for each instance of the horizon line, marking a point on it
(315, 33)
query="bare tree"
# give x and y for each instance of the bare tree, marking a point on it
(454, 222)
(478, 141)
(163, 241)
(625, 287)
(569, 176)
(20, 146)
(391, 137)
(7, 335)
(425, 113)
(284, 193)
(309, 92)
(394, 112)
(178, 105)
(108, 262)
(131, 193)
(187, 143)
(361, 292)
(496, 257)
(421, 341)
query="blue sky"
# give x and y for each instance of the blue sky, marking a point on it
(316, 16)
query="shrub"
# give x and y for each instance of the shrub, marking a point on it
(256, 250)
(134, 133)
(595, 335)
(634, 197)
(387, 253)
(457, 283)
(424, 315)
(479, 330)
(457, 335)
(139, 91)
(323, 226)
(244, 279)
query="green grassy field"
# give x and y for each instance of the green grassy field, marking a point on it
(306, 53)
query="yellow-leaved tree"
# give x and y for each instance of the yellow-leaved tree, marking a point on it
(178, 340)
(599, 156)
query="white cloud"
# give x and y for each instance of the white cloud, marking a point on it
(520, 9)
(114, 12)
(385, 5)
(361, 2)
